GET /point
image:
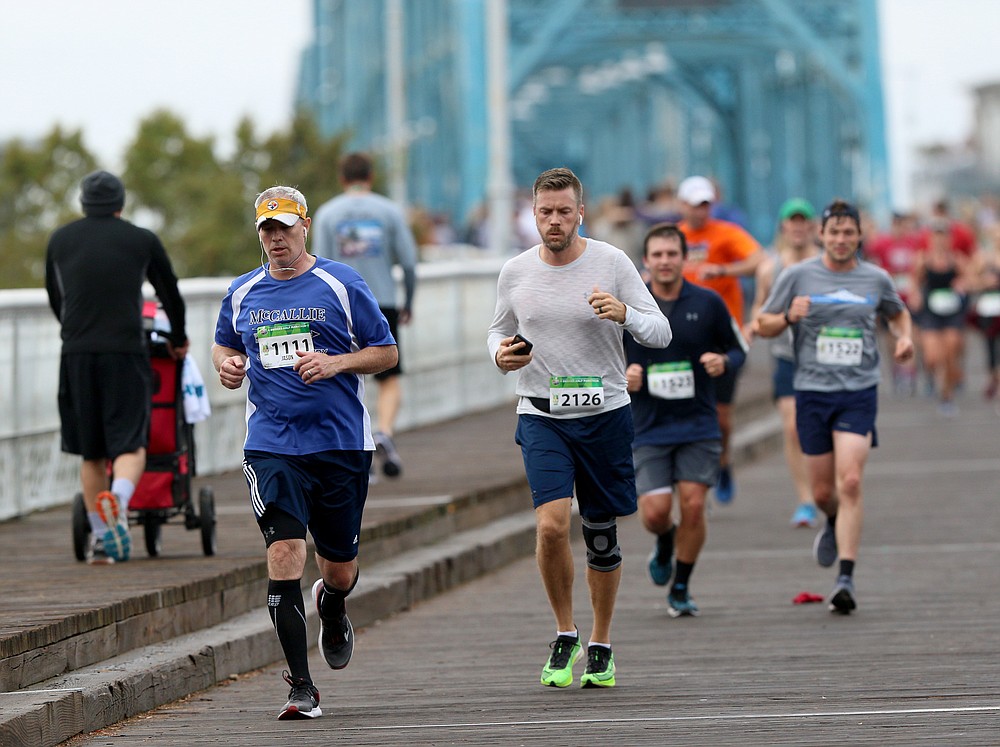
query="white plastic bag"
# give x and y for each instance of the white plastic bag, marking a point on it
(196, 404)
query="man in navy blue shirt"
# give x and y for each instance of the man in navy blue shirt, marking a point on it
(677, 438)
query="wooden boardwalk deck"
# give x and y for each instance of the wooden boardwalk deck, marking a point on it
(919, 663)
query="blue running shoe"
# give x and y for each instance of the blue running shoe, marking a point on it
(825, 545)
(725, 489)
(661, 560)
(805, 516)
(680, 603)
(660, 569)
(842, 599)
(117, 541)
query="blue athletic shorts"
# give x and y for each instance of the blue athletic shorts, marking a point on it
(325, 492)
(781, 379)
(594, 453)
(659, 467)
(819, 414)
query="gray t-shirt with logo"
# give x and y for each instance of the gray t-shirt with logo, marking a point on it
(836, 347)
(368, 232)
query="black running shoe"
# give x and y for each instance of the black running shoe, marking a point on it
(392, 465)
(842, 598)
(336, 637)
(303, 700)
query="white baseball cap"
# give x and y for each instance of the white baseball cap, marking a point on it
(695, 190)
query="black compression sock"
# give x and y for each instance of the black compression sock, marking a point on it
(846, 567)
(287, 610)
(683, 573)
(331, 602)
(665, 543)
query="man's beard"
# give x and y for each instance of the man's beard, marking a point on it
(557, 246)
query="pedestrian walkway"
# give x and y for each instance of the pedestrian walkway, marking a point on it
(754, 668)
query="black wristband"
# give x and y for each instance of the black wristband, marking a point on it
(788, 321)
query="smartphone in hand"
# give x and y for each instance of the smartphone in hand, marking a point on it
(524, 350)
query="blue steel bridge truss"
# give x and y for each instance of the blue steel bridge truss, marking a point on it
(772, 98)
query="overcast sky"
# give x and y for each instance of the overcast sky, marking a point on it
(103, 66)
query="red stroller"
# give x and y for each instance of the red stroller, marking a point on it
(164, 491)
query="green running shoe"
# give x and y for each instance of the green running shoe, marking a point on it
(600, 668)
(558, 670)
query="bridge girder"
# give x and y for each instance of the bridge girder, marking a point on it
(770, 97)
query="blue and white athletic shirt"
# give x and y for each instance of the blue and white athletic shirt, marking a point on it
(284, 415)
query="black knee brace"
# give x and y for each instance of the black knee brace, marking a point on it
(601, 538)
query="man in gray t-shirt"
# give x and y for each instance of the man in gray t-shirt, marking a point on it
(561, 309)
(369, 232)
(831, 303)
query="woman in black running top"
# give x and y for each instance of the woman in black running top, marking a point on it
(939, 306)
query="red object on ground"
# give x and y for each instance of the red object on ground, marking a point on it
(807, 598)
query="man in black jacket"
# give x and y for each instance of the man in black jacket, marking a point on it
(94, 271)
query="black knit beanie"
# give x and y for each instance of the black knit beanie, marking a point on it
(101, 193)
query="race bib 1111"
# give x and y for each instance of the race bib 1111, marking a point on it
(278, 343)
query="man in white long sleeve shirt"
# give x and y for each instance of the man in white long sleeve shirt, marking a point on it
(571, 297)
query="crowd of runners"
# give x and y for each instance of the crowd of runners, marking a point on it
(627, 359)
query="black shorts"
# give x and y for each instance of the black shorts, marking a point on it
(391, 316)
(325, 492)
(928, 320)
(725, 386)
(104, 403)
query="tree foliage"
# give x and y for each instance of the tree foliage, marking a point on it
(39, 189)
(199, 204)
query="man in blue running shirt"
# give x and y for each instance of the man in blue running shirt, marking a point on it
(302, 331)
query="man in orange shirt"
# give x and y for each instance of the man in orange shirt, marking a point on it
(719, 254)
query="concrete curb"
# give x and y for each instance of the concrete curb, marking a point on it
(144, 678)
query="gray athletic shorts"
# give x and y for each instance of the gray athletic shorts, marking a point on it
(658, 467)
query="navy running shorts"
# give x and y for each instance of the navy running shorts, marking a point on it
(819, 414)
(782, 379)
(592, 453)
(391, 316)
(658, 467)
(325, 492)
(104, 403)
(725, 386)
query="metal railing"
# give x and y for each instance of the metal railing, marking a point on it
(447, 373)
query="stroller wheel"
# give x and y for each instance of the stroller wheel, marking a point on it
(81, 528)
(206, 515)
